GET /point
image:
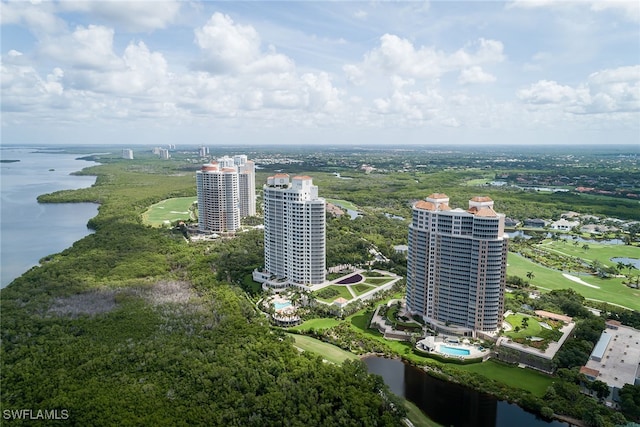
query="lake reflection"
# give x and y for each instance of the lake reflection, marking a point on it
(451, 404)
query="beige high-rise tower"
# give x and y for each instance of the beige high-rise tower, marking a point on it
(456, 265)
(218, 198)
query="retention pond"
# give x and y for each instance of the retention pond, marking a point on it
(451, 404)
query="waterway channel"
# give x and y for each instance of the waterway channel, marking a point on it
(451, 404)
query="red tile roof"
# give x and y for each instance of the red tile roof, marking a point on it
(588, 371)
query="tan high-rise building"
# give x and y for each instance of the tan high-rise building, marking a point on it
(247, 187)
(456, 265)
(218, 198)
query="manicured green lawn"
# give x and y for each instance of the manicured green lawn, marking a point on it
(533, 328)
(377, 281)
(527, 379)
(344, 204)
(610, 290)
(342, 292)
(361, 288)
(328, 351)
(417, 417)
(596, 251)
(316, 324)
(168, 210)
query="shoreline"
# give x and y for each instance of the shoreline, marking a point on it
(50, 227)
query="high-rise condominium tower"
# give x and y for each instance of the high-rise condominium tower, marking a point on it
(456, 265)
(218, 198)
(294, 230)
(247, 184)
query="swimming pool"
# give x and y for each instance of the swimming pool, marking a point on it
(454, 351)
(281, 305)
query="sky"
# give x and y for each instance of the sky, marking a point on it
(320, 72)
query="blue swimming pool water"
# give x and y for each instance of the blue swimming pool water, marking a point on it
(281, 305)
(454, 351)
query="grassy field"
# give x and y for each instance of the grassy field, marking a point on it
(361, 288)
(317, 324)
(417, 417)
(344, 204)
(343, 292)
(611, 290)
(596, 251)
(533, 326)
(377, 281)
(168, 210)
(328, 351)
(535, 382)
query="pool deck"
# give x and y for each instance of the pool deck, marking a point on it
(430, 345)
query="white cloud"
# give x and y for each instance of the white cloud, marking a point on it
(87, 47)
(548, 92)
(228, 47)
(475, 74)
(627, 9)
(354, 74)
(606, 91)
(38, 18)
(139, 15)
(399, 56)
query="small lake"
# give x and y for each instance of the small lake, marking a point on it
(633, 261)
(451, 404)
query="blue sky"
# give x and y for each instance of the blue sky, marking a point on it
(321, 72)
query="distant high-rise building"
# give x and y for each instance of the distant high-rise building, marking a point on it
(247, 186)
(226, 162)
(218, 198)
(456, 265)
(203, 151)
(164, 153)
(294, 230)
(127, 153)
(239, 159)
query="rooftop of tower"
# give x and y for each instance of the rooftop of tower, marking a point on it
(480, 206)
(483, 212)
(430, 206)
(481, 199)
(211, 167)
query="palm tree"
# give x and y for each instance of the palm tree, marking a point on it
(530, 275)
(585, 247)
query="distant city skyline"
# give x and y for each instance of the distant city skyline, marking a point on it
(318, 72)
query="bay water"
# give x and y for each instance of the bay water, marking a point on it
(30, 230)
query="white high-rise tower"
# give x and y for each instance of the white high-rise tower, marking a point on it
(294, 230)
(456, 265)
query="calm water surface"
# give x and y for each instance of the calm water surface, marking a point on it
(451, 404)
(30, 230)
